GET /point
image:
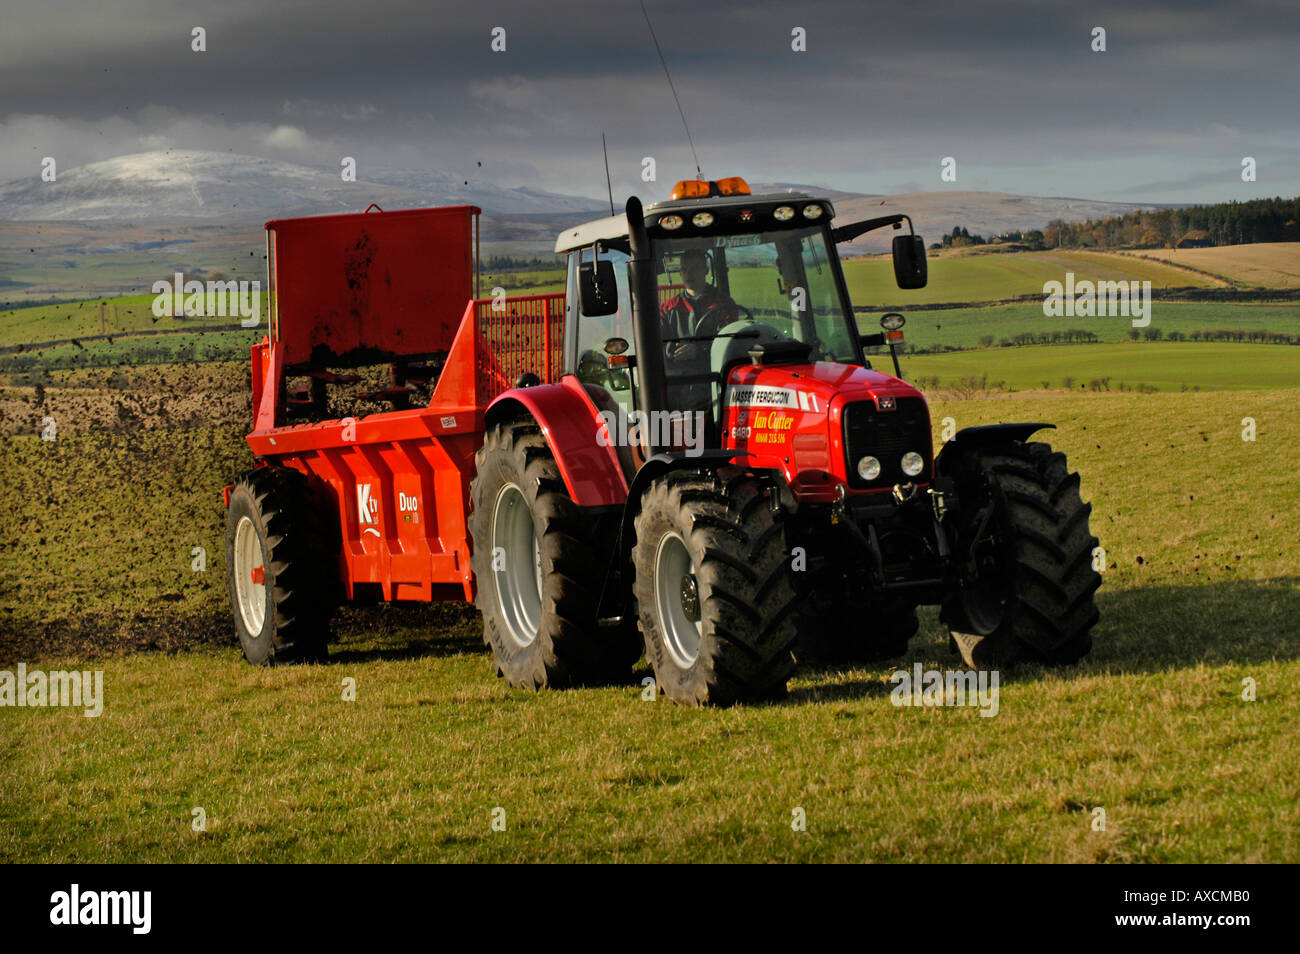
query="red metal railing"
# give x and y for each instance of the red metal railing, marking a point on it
(522, 335)
(526, 334)
(668, 292)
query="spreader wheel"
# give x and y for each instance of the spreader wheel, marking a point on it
(280, 568)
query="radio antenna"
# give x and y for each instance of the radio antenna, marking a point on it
(609, 185)
(698, 174)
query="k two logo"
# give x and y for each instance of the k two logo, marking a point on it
(366, 506)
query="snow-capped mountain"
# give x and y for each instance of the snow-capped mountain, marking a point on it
(202, 186)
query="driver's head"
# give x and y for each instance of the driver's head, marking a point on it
(694, 266)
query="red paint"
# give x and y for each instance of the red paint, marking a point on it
(392, 281)
(571, 423)
(398, 482)
(806, 442)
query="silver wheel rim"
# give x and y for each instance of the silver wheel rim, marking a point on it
(519, 578)
(250, 577)
(674, 576)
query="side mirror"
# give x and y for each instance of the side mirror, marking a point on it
(909, 261)
(597, 288)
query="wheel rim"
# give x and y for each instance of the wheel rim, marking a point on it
(986, 603)
(985, 609)
(250, 577)
(677, 600)
(519, 578)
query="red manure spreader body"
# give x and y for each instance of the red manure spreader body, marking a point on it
(391, 286)
(686, 453)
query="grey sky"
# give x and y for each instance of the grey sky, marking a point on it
(884, 91)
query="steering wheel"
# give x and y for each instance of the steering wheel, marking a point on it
(718, 316)
(725, 308)
(710, 323)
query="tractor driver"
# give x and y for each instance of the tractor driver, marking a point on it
(700, 311)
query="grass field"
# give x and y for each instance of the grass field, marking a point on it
(995, 277)
(1262, 265)
(1164, 365)
(1201, 533)
(957, 328)
(134, 313)
(953, 278)
(131, 324)
(964, 327)
(129, 314)
(991, 277)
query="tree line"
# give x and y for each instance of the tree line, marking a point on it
(513, 263)
(1224, 223)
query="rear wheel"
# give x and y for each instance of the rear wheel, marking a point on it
(1026, 529)
(714, 602)
(539, 563)
(280, 568)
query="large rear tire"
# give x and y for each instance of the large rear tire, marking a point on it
(713, 596)
(539, 562)
(1034, 596)
(281, 568)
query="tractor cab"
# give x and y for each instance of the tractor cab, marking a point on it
(664, 302)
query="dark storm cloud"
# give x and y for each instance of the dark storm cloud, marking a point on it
(883, 92)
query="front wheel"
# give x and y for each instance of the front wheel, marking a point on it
(713, 598)
(1025, 532)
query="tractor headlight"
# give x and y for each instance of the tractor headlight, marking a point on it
(913, 463)
(702, 220)
(812, 211)
(868, 468)
(783, 213)
(671, 222)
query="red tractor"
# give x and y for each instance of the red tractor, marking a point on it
(688, 454)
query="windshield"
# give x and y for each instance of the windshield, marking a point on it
(782, 279)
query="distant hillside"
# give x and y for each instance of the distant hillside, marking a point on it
(198, 186)
(114, 227)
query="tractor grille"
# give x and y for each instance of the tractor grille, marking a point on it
(886, 436)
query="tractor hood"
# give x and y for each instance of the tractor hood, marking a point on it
(814, 421)
(794, 386)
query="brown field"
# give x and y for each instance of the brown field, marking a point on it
(1262, 265)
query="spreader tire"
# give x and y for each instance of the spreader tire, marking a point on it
(281, 567)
